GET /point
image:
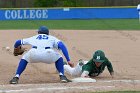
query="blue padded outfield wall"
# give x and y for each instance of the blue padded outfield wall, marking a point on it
(67, 13)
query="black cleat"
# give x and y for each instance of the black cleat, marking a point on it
(63, 79)
(81, 62)
(14, 80)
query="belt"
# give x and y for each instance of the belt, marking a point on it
(36, 47)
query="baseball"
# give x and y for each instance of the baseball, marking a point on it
(7, 48)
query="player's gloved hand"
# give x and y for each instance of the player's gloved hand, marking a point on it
(112, 74)
(18, 51)
(71, 64)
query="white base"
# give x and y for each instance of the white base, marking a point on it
(80, 79)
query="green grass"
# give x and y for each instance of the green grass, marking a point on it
(116, 92)
(95, 24)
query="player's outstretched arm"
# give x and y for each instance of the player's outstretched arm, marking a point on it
(17, 44)
(18, 49)
(65, 53)
(112, 74)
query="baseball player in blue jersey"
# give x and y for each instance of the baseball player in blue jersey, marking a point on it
(43, 50)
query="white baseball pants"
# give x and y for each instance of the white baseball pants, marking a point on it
(42, 55)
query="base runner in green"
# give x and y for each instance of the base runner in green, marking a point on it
(92, 68)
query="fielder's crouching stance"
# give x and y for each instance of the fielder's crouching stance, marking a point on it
(91, 68)
(42, 50)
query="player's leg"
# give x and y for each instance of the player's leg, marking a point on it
(49, 56)
(75, 72)
(21, 67)
(46, 56)
(68, 69)
(60, 68)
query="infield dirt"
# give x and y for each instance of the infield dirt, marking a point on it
(121, 48)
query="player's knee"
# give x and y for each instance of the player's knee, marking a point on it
(60, 60)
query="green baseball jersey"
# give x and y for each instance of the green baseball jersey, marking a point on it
(95, 71)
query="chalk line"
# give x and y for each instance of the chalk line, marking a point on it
(54, 88)
(125, 81)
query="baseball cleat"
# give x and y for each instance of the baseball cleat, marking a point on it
(63, 79)
(81, 62)
(14, 80)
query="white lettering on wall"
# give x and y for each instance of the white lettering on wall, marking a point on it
(38, 14)
(32, 14)
(26, 14)
(19, 14)
(14, 14)
(7, 14)
(45, 14)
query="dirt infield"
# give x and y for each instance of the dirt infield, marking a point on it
(121, 47)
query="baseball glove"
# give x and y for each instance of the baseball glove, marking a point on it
(18, 51)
